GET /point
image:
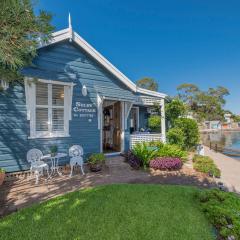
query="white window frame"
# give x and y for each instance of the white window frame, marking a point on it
(30, 90)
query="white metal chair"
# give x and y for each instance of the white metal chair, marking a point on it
(37, 166)
(76, 154)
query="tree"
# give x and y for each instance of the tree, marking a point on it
(206, 105)
(148, 83)
(176, 136)
(187, 92)
(20, 32)
(174, 109)
(190, 131)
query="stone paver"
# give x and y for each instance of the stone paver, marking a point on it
(230, 169)
(21, 193)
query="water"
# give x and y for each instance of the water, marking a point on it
(226, 139)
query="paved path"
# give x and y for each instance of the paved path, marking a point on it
(23, 192)
(230, 169)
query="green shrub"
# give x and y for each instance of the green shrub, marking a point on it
(189, 128)
(176, 136)
(96, 158)
(2, 170)
(205, 165)
(223, 211)
(169, 150)
(144, 152)
(154, 123)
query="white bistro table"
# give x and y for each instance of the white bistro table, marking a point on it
(54, 162)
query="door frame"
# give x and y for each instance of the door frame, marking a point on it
(122, 125)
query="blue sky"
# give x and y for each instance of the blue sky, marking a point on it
(173, 41)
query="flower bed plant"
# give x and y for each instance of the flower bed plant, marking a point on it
(223, 210)
(166, 163)
(133, 160)
(145, 152)
(169, 150)
(206, 165)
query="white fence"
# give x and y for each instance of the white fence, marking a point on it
(144, 137)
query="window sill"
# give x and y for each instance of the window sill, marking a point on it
(49, 136)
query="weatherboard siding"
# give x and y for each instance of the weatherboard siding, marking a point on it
(60, 62)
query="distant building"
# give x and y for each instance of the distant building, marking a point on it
(213, 125)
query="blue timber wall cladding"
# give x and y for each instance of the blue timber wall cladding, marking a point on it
(60, 62)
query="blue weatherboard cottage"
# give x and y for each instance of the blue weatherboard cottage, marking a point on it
(73, 95)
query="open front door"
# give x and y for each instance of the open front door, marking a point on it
(117, 116)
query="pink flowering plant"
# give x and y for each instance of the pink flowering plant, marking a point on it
(166, 163)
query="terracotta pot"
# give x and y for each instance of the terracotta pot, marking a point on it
(95, 167)
(2, 176)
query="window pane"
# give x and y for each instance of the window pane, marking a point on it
(41, 119)
(41, 93)
(58, 119)
(57, 95)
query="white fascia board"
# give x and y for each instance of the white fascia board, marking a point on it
(151, 93)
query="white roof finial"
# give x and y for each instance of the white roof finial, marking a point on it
(69, 21)
(70, 27)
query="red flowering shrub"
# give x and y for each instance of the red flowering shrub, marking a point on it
(166, 163)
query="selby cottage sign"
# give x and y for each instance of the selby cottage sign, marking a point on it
(84, 110)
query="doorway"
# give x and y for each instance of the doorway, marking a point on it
(112, 126)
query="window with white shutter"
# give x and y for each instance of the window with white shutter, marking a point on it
(49, 108)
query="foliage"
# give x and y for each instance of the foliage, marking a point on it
(133, 160)
(206, 165)
(2, 170)
(189, 128)
(166, 163)
(132, 211)
(236, 118)
(96, 158)
(20, 31)
(207, 105)
(147, 151)
(54, 149)
(143, 152)
(154, 123)
(187, 92)
(175, 109)
(223, 210)
(168, 150)
(148, 83)
(176, 136)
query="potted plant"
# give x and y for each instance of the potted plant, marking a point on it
(96, 161)
(53, 150)
(2, 176)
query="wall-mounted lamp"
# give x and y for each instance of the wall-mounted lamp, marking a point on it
(84, 91)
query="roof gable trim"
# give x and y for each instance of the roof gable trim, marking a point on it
(68, 33)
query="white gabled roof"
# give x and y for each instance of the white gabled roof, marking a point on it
(68, 33)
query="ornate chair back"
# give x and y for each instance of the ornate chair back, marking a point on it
(76, 151)
(34, 155)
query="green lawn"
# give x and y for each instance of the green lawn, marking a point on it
(113, 212)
